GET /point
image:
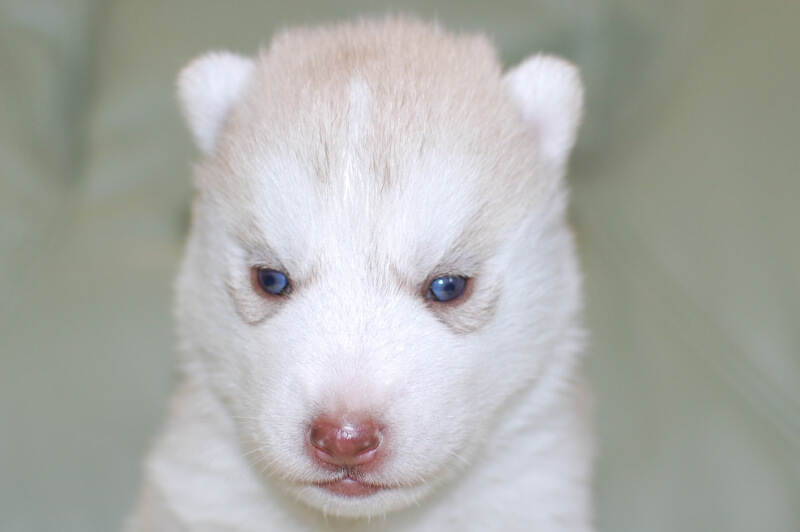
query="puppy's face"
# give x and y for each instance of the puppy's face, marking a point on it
(378, 261)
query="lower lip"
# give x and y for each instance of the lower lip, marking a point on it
(347, 487)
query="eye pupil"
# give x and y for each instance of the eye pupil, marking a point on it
(273, 282)
(447, 288)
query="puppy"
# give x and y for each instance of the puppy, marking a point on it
(379, 304)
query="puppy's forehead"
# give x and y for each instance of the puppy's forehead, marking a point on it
(365, 126)
(392, 90)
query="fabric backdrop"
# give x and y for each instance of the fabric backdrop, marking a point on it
(686, 184)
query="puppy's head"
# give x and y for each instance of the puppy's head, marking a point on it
(378, 263)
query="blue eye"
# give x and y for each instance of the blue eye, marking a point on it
(447, 288)
(273, 282)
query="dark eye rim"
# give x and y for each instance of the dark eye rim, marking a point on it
(256, 282)
(462, 297)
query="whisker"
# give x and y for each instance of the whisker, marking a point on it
(456, 455)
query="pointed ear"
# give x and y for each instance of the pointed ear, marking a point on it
(549, 94)
(207, 88)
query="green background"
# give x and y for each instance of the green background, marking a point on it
(686, 205)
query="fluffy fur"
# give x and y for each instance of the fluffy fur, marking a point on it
(365, 160)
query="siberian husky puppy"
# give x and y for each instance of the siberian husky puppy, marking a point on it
(379, 305)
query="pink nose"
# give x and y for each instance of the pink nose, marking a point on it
(345, 442)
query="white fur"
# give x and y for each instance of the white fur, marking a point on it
(549, 92)
(207, 88)
(365, 160)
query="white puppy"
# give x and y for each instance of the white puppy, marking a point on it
(379, 303)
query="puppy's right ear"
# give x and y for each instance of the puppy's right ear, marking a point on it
(207, 88)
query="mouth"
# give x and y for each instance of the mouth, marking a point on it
(350, 486)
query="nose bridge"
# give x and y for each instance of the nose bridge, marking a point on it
(357, 293)
(350, 319)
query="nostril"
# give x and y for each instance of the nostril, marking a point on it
(345, 442)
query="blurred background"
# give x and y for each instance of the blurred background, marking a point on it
(686, 205)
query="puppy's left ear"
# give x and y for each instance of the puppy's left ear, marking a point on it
(549, 94)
